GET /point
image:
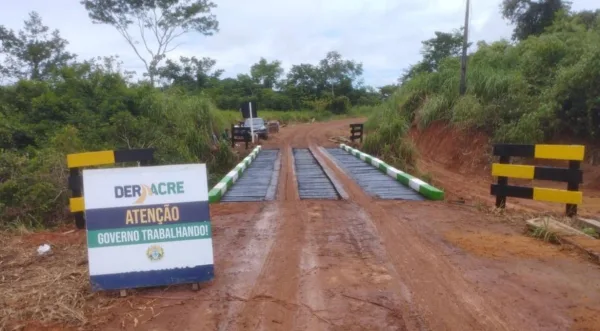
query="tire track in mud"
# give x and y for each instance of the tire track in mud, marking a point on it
(241, 241)
(252, 259)
(271, 304)
(442, 296)
(344, 279)
(347, 283)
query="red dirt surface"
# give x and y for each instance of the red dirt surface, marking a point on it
(64, 236)
(365, 264)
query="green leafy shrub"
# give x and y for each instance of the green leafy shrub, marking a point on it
(89, 110)
(435, 108)
(389, 143)
(340, 105)
(526, 92)
(468, 112)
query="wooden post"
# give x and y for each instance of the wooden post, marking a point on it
(247, 137)
(356, 132)
(361, 132)
(77, 191)
(232, 135)
(573, 185)
(502, 181)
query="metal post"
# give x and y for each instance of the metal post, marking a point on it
(251, 121)
(463, 66)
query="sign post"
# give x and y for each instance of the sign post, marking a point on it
(148, 226)
(246, 108)
(251, 122)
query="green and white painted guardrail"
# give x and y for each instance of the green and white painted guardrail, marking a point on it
(226, 183)
(414, 183)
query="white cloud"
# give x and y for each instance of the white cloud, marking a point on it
(385, 35)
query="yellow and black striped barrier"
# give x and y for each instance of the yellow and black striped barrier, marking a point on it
(572, 175)
(77, 161)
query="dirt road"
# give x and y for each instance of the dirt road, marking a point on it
(363, 264)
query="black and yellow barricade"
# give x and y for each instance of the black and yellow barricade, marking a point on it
(77, 161)
(356, 132)
(572, 175)
(240, 134)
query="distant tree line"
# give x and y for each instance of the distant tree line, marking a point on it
(152, 28)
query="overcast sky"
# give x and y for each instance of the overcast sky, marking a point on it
(385, 35)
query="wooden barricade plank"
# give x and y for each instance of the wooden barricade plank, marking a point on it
(572, 175)
(356, 131)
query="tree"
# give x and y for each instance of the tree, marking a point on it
(246, 84)
(337, 71)
(531, 17)
(387, 90)
(434, 51)
(162, 20)
(33, 52)
(265, 73)
(303, 82)
(414, 70)
(443, 45)
(588, 18)
(191, 73)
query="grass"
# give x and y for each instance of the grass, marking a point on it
(591, 232)
(386, 131)
(544, 233)
(526, 92)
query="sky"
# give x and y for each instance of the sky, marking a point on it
(384, 35)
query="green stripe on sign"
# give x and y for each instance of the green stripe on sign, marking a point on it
(148, 234)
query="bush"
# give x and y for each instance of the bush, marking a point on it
(468, 112)
(108, 115)
(389, 142)
(340, 105)
(527, 92)
(435, 108)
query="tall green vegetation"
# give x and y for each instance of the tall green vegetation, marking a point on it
(84, 108)
(56, 106)
(53, 104)
(152, 27)
(543, 85)
(33, 52)
(332, 85)
(531, 17)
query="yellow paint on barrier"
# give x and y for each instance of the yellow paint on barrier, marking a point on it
(90, 159)
(76, 204)
(514, 171)
(554, 195)
(560, 152)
